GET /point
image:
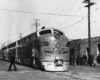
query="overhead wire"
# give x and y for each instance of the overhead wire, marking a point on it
(78, 21)
(96, 25)
(60, 10)
(74, 23)
(41, 13)
(64, 7)
(55, 8)
(70, 16)
(66, 12)
(37, 13)
(17, 11)
(73, 8)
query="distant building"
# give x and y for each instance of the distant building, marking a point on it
(74, 50)
(95, 46)
(75, 47)
(80, 46)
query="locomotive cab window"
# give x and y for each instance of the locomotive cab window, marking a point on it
(45, 32)
(58, 32)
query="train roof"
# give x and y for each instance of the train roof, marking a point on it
(51, 29)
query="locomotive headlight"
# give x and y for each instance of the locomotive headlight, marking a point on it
(57, 57)
(58, 45)
(55, 49)
(57, 36)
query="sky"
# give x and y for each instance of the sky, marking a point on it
(70, 16)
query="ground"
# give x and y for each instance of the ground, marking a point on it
(27, 73)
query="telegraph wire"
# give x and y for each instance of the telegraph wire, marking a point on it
(67, 11)
(58, 17)
(96, 25)
(72, 13)
(57, 7)
(34, 12)
(68, 16)
(73, 8)
(74, 23)
(95, 10)
(78, 22)
(57, 10)
(41, 13)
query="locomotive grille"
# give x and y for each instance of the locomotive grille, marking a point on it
(61, 50)
(57, 50)
(48, 50)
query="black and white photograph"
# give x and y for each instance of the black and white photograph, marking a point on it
(49, 39)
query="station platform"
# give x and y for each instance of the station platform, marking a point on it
(4, 65)
(27, 73)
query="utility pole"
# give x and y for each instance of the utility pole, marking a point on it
(89, 28)
(36, 24)
(20, 35)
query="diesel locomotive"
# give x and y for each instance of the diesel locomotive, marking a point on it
(46, 48)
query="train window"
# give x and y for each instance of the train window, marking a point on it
(45, 32)
(56, 31)
(27, 40)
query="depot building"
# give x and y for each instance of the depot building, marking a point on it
(81, 46)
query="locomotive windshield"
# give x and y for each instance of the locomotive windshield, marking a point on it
(59, 32)
(45, 32)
